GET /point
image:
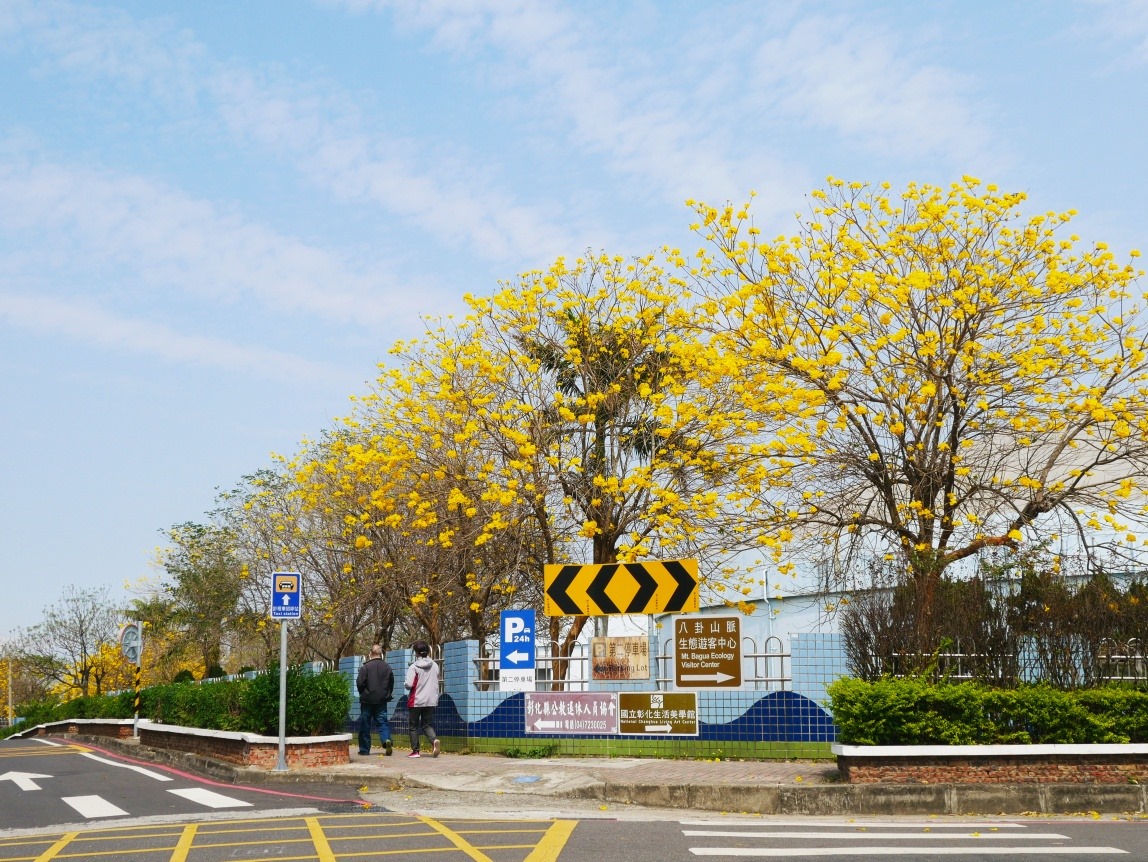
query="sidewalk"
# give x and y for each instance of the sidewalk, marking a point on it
(586, 777)
(789, 788)
(734, 786)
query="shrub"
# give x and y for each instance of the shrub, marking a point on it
(1043, 715)
(317, 704)
(907, 712)
(913, 711)
(214, 706)
(1128, 705)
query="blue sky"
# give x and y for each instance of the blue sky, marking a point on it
(216, 217)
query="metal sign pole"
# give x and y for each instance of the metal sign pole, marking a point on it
(281, 766)
(139, 676)
(11, 714)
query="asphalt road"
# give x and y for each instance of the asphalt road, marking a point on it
(62, 800)
(373, 834)
(49, 783)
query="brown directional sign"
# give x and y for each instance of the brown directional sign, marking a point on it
(656, 713)
(598, 590)
(707, 652)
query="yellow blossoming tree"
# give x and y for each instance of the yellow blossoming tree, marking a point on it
(929, 374)
(603, 437)
(413, 471)
(295, 518)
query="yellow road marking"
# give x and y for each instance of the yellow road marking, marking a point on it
(184, 845)
(382, 836)
(52, 851)
(322, 848)
(132, 836)
(552, 842)
(75, 851)
(480, 820)
(456, 839)
(547, 850)
(507, 847)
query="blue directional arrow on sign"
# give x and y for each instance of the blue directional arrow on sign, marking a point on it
(286, 598)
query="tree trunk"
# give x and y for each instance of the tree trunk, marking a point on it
(925, 589)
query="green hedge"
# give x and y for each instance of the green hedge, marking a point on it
(917, 712)
(317, 704)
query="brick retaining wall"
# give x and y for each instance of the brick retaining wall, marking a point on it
(993, 764)
(249, 749)
(244, 749)
(115, 728)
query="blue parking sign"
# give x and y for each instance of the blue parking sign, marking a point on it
(286, 596)
(516, 665)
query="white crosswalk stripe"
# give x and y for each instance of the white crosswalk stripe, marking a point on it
(854, 823)
(210, 798)
(882, 836)
(856, 838)
(870, 852)
(94, 806)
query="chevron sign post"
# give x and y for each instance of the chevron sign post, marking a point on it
(604, 589)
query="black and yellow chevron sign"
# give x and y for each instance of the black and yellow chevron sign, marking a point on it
(602, 589)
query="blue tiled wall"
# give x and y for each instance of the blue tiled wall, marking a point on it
(798, 715)
(815, 661)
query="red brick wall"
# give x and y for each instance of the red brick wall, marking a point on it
(111, 728)
(239, 751)
(1036, 769)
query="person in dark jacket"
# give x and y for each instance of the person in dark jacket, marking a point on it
(376, 683)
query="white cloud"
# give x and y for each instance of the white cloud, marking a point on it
(84, 322)
(645, 128)
(332, 149)
(321, 130)
(698, 115)
(1121, 22)
(63, 217)
(865, 84)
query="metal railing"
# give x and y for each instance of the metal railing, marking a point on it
(764, 668)
(1067, 662)
(1122, 662)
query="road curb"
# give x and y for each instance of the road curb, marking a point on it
(883, 799)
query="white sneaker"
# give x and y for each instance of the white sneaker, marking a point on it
(434, 748)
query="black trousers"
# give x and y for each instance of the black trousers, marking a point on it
(421, 721)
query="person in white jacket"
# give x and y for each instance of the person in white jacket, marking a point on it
(422, 684)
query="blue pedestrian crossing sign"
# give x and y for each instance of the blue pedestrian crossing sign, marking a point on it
(516, 665)
(286, 598)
